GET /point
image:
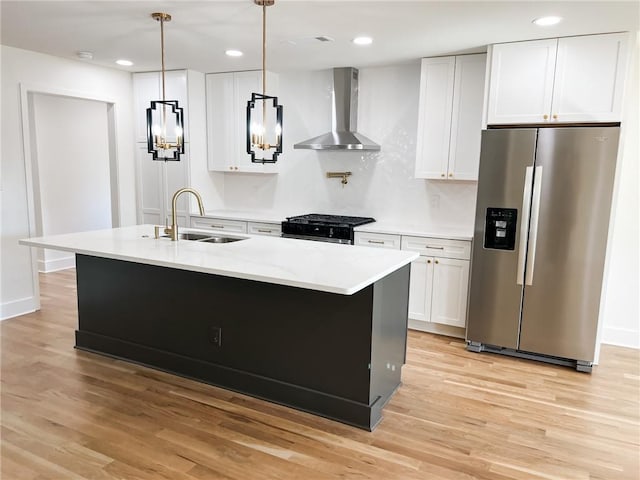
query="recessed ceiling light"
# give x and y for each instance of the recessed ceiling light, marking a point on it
(233, 53)
(547, 21)
(363, 40)
(124, 63)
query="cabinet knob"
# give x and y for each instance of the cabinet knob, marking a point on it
(236, 168)
(436, 261)
(442, 174)
(230, 168)
(451, 174)
(545, 116)
(428, 261)
(555, 117)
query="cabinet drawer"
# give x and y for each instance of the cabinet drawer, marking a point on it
(274, 229)
(209, 223)
(438, 247)
(380, 240)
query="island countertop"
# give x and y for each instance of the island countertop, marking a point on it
(328, 267)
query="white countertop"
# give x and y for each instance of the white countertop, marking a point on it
(328, 267)
(452, 233)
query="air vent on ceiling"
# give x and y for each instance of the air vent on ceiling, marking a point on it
(323, 38)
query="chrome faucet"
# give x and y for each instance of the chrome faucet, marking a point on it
(173, 229)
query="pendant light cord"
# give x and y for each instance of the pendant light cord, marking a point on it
(162, 53)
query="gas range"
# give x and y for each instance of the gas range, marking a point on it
(324, 228)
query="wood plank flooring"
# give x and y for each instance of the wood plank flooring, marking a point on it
(68, 414)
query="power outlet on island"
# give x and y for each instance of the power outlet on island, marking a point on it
(215, 336)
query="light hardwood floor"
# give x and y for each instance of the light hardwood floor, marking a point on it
(68, 414)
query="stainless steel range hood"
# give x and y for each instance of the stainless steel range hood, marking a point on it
(345, 117)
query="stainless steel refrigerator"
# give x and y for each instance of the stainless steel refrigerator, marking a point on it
(542, 219)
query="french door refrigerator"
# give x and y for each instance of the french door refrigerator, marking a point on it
(542, 219)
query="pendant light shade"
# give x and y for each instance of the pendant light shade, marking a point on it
(264, 114)
(165, 118)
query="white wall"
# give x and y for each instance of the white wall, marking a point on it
(620, 311)
(17, 291)
(80, 130)
(382, 184)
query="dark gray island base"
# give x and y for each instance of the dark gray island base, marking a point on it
(338, 356)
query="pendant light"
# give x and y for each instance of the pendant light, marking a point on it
(264, 125)
(165, 119)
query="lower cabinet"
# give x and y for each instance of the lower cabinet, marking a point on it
(236, 226)
(438, 291)
(439, 280)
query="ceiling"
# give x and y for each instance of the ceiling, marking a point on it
(201, 31)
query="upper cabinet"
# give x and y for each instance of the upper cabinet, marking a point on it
(157, 181)
(227, 97)
(450, 117)
(148, 87)
(565, 80)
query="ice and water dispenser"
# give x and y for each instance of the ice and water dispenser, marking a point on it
(500, 228)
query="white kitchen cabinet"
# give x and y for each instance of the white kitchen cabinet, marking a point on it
(157, 182)
(450, 285)
(439, 284)
(264, 228)
(147, 86)
(571, 79)
(219, 224)
(227, 97)
(590, 73)
(438, 291)
(450, 117)
(379, 240)
(439, 281)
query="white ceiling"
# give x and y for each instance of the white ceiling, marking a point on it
(201, 31)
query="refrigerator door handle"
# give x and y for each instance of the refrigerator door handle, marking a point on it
(524, 223)
(533, 230)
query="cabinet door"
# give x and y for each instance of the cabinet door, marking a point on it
(176, 176)
(521, 82)
(247, 83)
(220, 122)
(450, 285)
(420, 287)
(434, 117)
(589, 79)
(466, 120)
(146, 87)
(176, 89)
(150, 187)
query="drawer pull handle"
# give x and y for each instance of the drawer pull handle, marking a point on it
(264, 231)
(217, 226)
(379, 242)
(435, 248)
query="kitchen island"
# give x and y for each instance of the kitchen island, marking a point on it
(315, 326)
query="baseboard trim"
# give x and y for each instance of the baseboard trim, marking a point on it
(50, 266)
(18, 307)
(293, 396)
(437, 328)
(621, 337)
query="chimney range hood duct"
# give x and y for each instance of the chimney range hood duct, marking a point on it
(345, 112)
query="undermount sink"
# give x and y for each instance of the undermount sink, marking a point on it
(222, 239)
(190, 236)
(203, 237)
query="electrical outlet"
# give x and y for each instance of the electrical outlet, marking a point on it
(215, 336)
